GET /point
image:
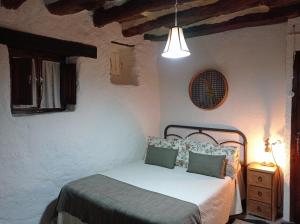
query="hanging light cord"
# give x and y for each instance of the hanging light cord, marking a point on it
(176, 3)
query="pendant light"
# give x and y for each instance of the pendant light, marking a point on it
(176, 46)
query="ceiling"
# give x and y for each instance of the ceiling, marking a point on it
(153, 18)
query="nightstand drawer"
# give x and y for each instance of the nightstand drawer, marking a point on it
(260, 194)
(260, 179)
(259, 209)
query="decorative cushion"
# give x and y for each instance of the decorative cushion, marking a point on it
(232, 156)
(194, 146)
(175, 144)
(161, 157)
(209, 165)
(231, 153)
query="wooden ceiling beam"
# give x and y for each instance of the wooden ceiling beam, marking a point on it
(66, 7)
(32, 42)
(12, 4)
(190, 16)
(130, 10)
(275, 16)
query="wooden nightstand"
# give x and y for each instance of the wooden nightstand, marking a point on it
(262, 182)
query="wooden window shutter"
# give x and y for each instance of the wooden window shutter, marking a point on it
(21, 81)
(68, 84)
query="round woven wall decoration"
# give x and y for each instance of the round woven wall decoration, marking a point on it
(208, 90)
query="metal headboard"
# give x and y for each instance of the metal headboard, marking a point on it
(203, 131)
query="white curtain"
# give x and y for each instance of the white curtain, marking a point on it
(51, 85)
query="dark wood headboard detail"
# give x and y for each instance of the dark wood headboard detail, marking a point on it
(208, 133)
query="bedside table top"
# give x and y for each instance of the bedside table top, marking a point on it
(259, 167)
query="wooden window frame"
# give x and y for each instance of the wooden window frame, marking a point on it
(38, 57)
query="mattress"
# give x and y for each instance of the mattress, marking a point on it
(216, 198)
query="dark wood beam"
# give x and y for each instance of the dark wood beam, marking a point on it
(12, 4)
(66, 7)
(187, 17)
(275, 16)
(33, 42)
(130, 10)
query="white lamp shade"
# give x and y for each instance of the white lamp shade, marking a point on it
(176, 46)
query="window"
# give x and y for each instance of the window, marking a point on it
(41, 83)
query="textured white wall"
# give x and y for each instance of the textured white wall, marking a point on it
(253, 61)
(39, 154)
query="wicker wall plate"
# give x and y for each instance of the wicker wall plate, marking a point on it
(208, 90)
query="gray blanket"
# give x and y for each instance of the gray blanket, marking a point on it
(99, 199)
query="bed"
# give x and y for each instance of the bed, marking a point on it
(142, 193)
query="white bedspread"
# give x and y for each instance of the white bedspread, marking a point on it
(216, 198)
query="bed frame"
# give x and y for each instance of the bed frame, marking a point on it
(207, 132)
(170, 131)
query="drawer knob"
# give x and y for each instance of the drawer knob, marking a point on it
(259, 193)
(258, 208)
(259, 179)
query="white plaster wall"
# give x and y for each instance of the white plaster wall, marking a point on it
(39, 154)
(253, 61)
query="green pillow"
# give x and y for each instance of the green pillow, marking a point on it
(161, 156)
(209, 165)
